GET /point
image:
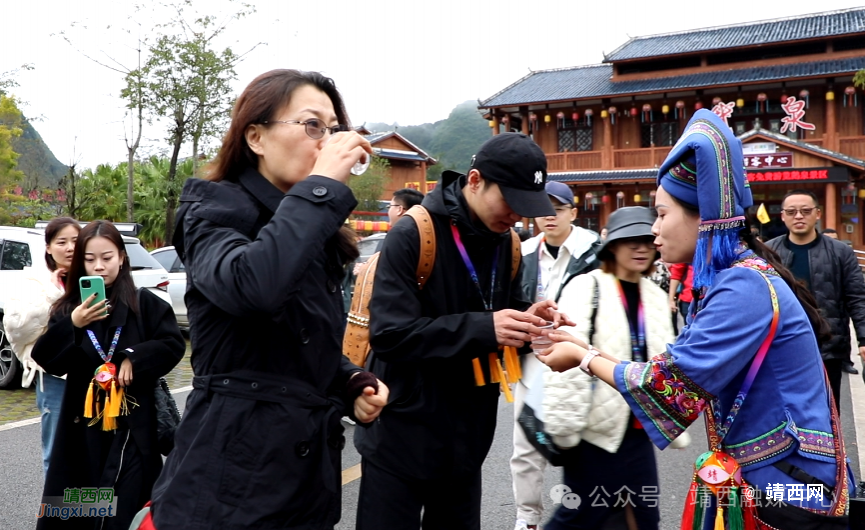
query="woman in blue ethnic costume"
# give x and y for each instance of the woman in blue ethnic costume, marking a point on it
(748, 358)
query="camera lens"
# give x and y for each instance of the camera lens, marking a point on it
(85, 283)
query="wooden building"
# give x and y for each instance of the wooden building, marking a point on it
(784, 85)
(408, 163)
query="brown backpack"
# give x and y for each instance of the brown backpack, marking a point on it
(355, 342)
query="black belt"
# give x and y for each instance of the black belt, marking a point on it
(802, 476)
(261, 386)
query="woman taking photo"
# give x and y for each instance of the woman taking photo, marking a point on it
(748, 359)
(623, 313)
(26, 315)
(264, 245)
(136, 341)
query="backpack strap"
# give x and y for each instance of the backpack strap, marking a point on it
(516, 253)
(596, 295)
(427, 255)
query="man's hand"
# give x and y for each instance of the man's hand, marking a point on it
(673, 306)
(370, 403)
(515, 328)
(548, 310)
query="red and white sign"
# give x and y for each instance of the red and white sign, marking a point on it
(795, 110)
(769, 160)
(724, 110)
(833, 174)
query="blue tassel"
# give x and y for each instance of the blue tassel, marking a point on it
(725, 250)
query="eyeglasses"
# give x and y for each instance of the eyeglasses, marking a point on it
(314, 128)
(634, 244)
(391, 205)
(804, 211)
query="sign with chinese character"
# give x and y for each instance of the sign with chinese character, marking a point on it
(724, 110)
(823, 174)
(795, 110)
(755, 148)
(769, 160)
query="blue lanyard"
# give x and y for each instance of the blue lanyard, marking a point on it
(99, 350)
(488, 305)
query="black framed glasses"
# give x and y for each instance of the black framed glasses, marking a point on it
(315, 129)
(634, 243)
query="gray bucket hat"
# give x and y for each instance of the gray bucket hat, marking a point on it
(628, 222)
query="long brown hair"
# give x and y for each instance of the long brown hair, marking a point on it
(266, 95)
(54, 227)
(123, 290)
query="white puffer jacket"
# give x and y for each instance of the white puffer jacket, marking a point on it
(577, 407)
(26, 315)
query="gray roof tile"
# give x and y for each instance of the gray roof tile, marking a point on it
(817, 25)
(594, 81)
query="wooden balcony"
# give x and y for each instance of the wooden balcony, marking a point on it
(852, 146)
(577, 161)
(640, 158)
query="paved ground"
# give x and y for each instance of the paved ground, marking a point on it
(21, 477)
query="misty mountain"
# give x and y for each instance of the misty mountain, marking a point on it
(451, 141)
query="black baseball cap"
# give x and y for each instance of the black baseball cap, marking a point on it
(516, 163)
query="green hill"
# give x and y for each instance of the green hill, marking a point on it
(451, 141)
(40, 167)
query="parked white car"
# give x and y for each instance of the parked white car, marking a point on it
(25, 247)
(170, 261)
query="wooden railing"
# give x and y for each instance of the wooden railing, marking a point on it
(640, 158)
(577, 161)
(852, 146)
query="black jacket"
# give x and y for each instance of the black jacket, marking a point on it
(838, 286)
(260, 441)
(438, 422)
(127, 459)
(577, 265)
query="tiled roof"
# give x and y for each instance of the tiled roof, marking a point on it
(819, 151)
(399, 154)
(418, 153)
(587, 82)
(606, 175)
(817, 25)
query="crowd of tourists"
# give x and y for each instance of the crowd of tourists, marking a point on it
(580, 329)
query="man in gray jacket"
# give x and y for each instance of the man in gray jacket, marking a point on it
(831, 272)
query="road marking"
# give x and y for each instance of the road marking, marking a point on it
(22, 423)
(33, 421)
(348, 475)
(351, 474)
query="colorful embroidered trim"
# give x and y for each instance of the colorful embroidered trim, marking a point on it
(762, 447)
(667, 396)
(816, 442)
(683, 173)
(727, 205)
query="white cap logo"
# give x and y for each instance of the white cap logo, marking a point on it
(539, 177)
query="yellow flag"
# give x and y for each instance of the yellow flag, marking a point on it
(762, 214)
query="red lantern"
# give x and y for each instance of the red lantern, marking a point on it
(783, 98)
(698, 106)
(634, 112)
(761, 102)
(680, 109)
(605, 199)
(804, 95)
(850, 98)
(575, 116)
(647, 112)
(715, 100)
(761, 96)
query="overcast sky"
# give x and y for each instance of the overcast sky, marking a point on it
(409, 62)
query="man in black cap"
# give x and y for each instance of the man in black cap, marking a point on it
(432, 346)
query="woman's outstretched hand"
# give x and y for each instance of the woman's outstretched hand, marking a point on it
(562, 356)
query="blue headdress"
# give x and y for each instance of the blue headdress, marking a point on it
(706, 169)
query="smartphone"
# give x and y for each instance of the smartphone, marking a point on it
(90, 285)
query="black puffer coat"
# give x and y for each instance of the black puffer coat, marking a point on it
(260, 441)
(838, 286)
